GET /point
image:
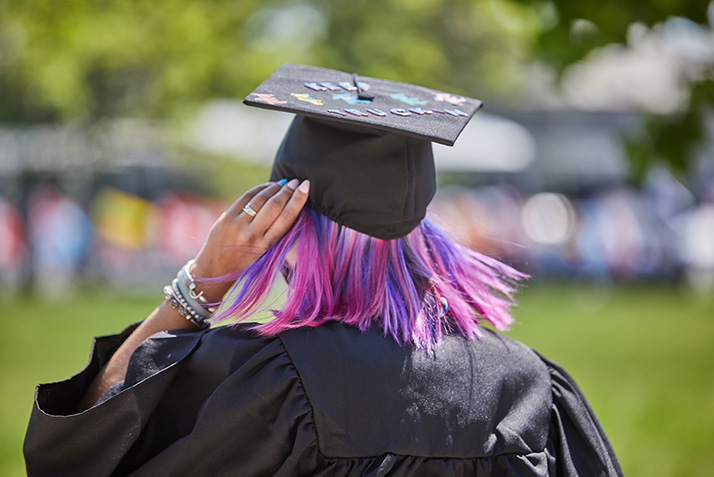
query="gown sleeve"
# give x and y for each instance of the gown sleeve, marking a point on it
(61, 441)
(577, 446)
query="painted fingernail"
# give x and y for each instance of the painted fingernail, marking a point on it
(293, 184)
(282, 182)
(304, 187)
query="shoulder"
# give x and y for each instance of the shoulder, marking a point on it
(235, 343)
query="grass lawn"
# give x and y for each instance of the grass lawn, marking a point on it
(643, 356)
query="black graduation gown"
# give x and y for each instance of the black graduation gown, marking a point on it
(319, 401)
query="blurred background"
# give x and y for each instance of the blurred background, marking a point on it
(123, 137)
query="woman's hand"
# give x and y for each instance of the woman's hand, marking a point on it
(237, 239)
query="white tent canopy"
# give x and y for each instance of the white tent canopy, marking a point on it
(488, 144)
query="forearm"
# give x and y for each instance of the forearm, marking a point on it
(164, 317)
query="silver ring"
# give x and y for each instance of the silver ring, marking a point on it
(249, 210)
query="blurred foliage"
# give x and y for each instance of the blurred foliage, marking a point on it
(81, 60)
(85, 60)
(578, 28)
(672, 140)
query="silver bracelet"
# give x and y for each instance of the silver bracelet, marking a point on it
(182, 300)
(176, 300)
(187, 288)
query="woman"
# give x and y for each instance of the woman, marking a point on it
(375, 365)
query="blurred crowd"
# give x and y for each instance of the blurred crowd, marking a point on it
(118, 239)
(609, 233)
(124, 239)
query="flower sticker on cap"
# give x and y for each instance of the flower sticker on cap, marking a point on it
(308, 99)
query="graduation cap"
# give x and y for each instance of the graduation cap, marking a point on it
(364, 143)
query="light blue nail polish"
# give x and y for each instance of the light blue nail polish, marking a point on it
(282, 182)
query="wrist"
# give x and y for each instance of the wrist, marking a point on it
(169, 318)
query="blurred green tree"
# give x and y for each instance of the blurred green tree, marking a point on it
(84, 60)
(578, 28)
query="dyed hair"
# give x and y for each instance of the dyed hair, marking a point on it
(415, 288)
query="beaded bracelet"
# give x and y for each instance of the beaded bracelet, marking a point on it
(176, 300)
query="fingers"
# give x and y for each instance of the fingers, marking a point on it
(289, 212)
(237, 206)
(273, 206)
(264, 204)
(276, 208)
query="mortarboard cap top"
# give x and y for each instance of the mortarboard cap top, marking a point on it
(364, 143)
